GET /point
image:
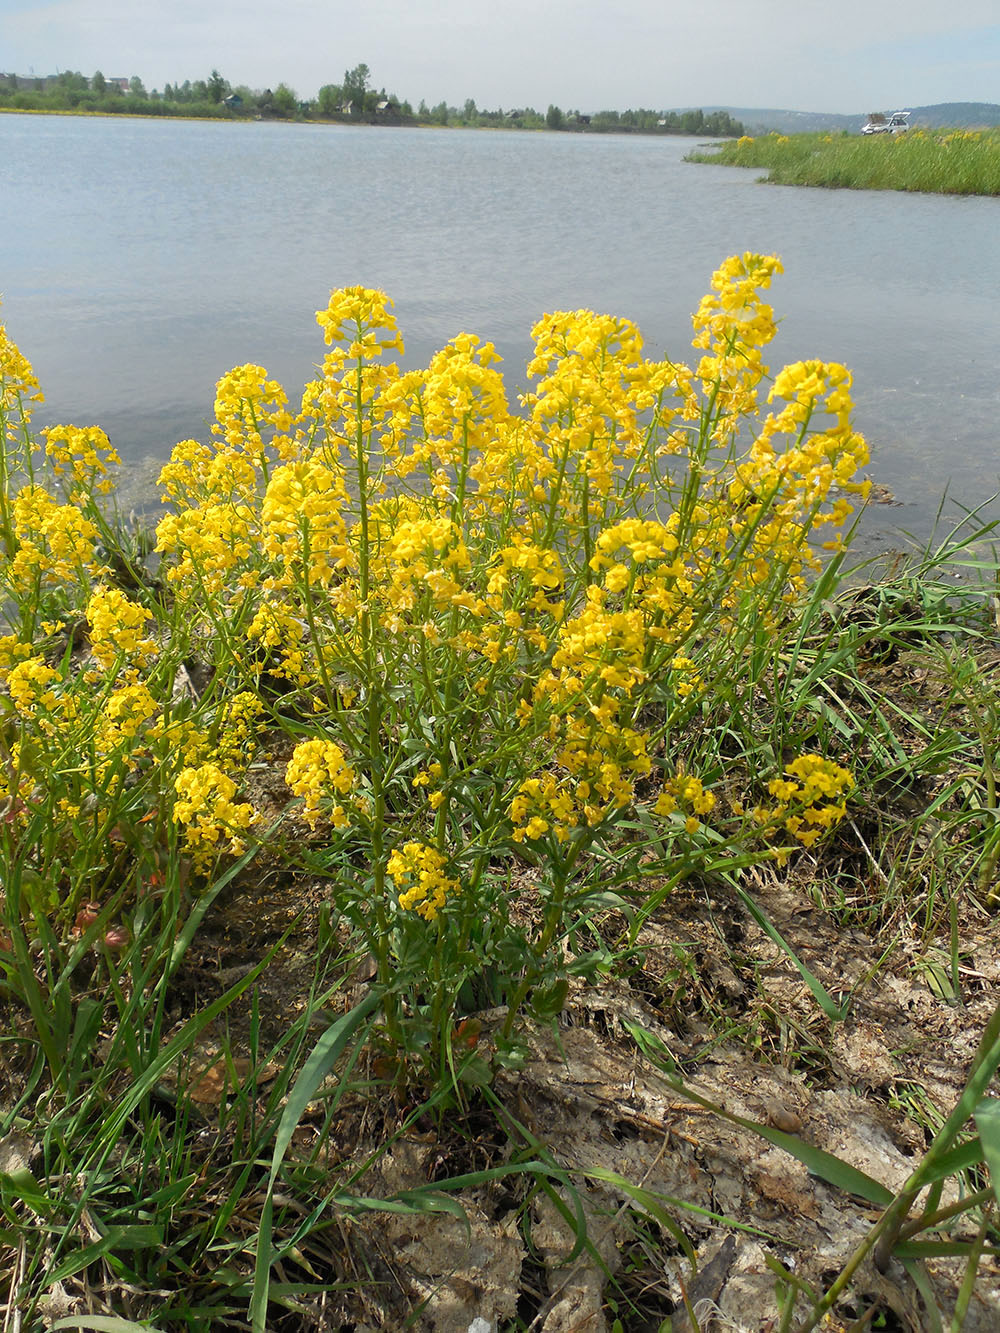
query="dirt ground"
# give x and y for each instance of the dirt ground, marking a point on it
(743, 1031)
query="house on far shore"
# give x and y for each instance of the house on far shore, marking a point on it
(234, 101)
(120, 84)
(387, 107)
(347, 108)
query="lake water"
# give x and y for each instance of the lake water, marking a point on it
(140, 260)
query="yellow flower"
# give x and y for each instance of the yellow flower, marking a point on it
(811, 798)
(205, 809)
(302, 522)
(55, 541)
(316, 769)
(418, 874)
(81, 457)
(116, 626)
(28, 683)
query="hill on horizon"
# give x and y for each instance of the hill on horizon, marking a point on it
(941, 115)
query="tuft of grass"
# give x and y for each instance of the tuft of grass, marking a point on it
(933, 162)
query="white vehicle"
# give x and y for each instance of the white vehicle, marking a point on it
(893, 123)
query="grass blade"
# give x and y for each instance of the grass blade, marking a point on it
(102, 1323)
(819, 1163)
(324, 1057)
(836, 1012)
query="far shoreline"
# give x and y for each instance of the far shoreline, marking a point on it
(624, 131)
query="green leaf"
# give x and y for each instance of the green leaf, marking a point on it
(22, 1185)
(963, 1157)
(922, 1282)
(987, 1117)
(549, 1001)
(257, 1311)
(938, 977)
(407, 1202)
(649, 1203)
(117, 1238)
(938, 1249)
(89, 1015)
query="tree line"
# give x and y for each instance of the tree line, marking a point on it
(354, 99)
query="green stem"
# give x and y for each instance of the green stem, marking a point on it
(553, 920)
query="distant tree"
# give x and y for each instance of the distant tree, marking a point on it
(99, 84)
(440, 114)
(218, 87)
(554, 118)
(423, 111)
(136, 86)
(284, 100)
(356, 82)
(199, 91)
(330, 99)
(470, 114)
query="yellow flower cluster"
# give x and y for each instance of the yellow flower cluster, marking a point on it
(246, 404)
(732, 325)
(554, 580)
(540, 806)
(423, 560)
(811, 798)
(12, 651)
(208, 544)
(438, 417)
(302, 523)
(360, 313)
(205, 810)
(236, 733)
(116, 628)
(418, 874)
(29, 683)
(684, 795)
(317, 770)
(55, 542)
(281, 634)
(123, 718)
(81, 456)
(18, 388)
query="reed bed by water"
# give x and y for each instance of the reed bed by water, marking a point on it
(494, 683)
(949, 162)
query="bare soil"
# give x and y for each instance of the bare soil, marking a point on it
(744, 1031)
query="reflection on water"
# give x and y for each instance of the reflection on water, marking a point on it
(142, 259)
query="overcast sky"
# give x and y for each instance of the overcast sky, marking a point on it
(845, 56)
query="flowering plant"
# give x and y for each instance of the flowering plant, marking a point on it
(497, 653)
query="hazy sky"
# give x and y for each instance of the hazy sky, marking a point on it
(844, 56)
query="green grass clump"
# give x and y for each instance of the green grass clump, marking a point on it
(935, 162)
